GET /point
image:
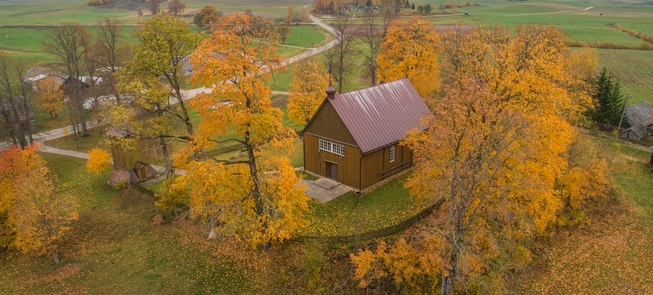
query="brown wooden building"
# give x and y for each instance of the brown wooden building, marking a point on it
(353, 137)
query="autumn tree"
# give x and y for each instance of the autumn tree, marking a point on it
(410, 50)
(340, 58)
(113, 51)
(13, 98)
(283, 32)
(154, 78)
(68, 44)
(291, 15)
(254, 196)
(372, 40)
(50, 96)
(306, 90)
(98, 161)
(176, 7)
(207, 16)
(494, 152)
(154, 7)
(37, 214)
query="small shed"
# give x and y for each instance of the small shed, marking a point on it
(353, 137)
(638, 117)
(127, 168)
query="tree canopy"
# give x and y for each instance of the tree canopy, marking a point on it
(410, 50)
(253, 196)
(495, 152)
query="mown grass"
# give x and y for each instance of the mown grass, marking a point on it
(114, 249)
(304, 36)
(350, 214)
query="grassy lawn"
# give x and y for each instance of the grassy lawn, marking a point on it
(114, 249)
(304, 36)
(350, 214)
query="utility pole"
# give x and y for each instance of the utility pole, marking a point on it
(623, 112)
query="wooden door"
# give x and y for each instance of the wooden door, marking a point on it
(331, 170)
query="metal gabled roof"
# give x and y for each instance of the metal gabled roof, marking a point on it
(382, 114)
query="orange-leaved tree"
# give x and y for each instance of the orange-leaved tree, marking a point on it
(50, 96)
(35, 215)
(98, 161)
(306, 90)
(254, 194)
(410, 50)
(495, 153)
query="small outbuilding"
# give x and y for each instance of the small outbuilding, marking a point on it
(353, 137)
(127, 169)
(638, 117)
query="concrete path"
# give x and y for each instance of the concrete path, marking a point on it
(317, 189)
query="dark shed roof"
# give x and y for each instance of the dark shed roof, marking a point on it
(380, 115)
(639, 114)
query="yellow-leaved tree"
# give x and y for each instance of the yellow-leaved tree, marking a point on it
(306, 90)
(495, 153)
(153, 79)
(35, 216)
(50, 96)
(410, 50)
(254, 196)
(98, 161)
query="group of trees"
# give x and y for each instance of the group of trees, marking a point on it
(82, 56)
(499, 151)
(15, 108)
(33, 214)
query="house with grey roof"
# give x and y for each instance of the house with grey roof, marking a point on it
(353, 138)
(638, 117)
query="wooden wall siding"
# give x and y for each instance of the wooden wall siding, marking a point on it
(328, 124)
(348, 166)
(372, 165)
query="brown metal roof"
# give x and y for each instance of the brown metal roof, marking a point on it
(380, 115)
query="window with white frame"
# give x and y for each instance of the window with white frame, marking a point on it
(332, 147)
(392, 154)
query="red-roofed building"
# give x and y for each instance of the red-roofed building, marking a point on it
(353, 137)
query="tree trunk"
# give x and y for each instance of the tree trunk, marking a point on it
(213, 225)
(55, 257)
(166, 157)
(448, 281)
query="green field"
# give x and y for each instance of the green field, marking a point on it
(633, 68)
(53, 12)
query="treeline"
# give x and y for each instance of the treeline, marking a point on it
(635, 34)
(448, 5)
(609, 45)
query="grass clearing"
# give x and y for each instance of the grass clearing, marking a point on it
(350, 214)
(113, 248)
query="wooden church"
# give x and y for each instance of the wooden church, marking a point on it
(353, 137)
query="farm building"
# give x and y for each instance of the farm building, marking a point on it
(638, 117)
(353, 137)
